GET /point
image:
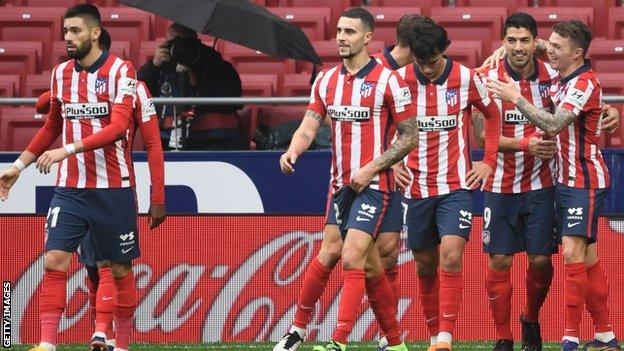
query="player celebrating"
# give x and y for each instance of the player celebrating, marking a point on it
(362, 98)
(582, 179)
(439, 177)
(94, 93)
(519, 213)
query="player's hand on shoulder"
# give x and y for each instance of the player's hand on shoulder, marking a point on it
(478, 174)
(157, 215)
(401, 176)
(50, 157)
(7, 178)
(610, 119)
(287, 162)
(494, 59)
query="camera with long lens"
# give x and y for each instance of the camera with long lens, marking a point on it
(184, 51)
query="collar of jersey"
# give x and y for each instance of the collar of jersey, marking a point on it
(364, 71)
(441, 79)
(391, 61)
(95, 66)
(516, 76)
(584, 68)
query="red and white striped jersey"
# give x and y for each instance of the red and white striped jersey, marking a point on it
(385, 59)
(443, 109)
(362, 107)
(518, 172)
(580, 163)
(86, 97)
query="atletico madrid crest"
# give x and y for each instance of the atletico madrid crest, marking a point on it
(101, 85)
(366, 89)
(451, 97)
(544, 90)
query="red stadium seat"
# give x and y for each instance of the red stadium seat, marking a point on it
(36, 84)
(547, 17)
(466, 52)
(271, 116)
(120, 49)
(296, 85)
(47, 3)
(328, 52)
(32, 24)
(386, 19)
(18, 126)
(468, 23)
(249, 61)
(128, 24)
(511, 5)
(146, 52)
(9, 85)
(248, 116)
(613, 84)
(616, 23)
(607, 55)
(259, 84)
(314, 21)
(424, 5)
(23, 57)
(337, 7)
(601, 11)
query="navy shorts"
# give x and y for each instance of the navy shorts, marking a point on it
(108, 215)
(372, 211)
(428, 219)
(515, 223)
(578, 210)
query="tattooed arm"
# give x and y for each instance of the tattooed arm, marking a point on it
(552, 124)
(407, 141)
(301, 140)
(478, 128)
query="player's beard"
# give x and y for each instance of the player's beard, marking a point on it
(81, 51)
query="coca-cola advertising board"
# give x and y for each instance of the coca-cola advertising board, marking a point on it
(237, 278)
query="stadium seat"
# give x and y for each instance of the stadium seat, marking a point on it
(613, 84)
(314, 21)
(146, 52)
(547, 17)
(616, 23)
(120, 49)
(47, 3)
(468, 23)
(128, 24)
(248, 116)
(424, 5)
(32, 24)
(20, 57)
(607, 55)
(271, 116)
(260, 84)
(250, 61)
(36, 84)
(9, 85)
(336, 7)
(601, 11)
(386, 19)
(511, 5)
(466, 52)
(328, 52)
(296, 85)
(18, 126)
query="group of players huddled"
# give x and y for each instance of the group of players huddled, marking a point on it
(401, 160)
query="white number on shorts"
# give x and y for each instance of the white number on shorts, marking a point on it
(54, 212)
(338, 220)
(487, 215)
(405, 207)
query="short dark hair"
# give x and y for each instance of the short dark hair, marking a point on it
(87, 12)
(428, 39)
(405, 27)
(576, 31)
(183, 31)
(521, 20)
(105, 40)
(363, 15)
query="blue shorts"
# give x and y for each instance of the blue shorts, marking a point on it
(108, 215)
(371, 211)
(86, 252)
(428, 219)
(515, 223)
(578, 210)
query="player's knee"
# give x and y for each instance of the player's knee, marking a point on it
(120, 269)
(329, 255)
(390, 261)
(426, 263)
(57, 260)
(540, 262)
(451, 261)
(501, 262)
(573, 254)
(372, 271)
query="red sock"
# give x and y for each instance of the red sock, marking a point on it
(575, 293)
(378, 289)
(314, 283)
(451, 285)
(125, 305)
(597, 294)
(52, 301)
(537, 286)
(498, 288)
(105, 303)
(92, 298)
(392, 274)
(353, 288)
(429, 296)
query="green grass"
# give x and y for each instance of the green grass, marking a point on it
(265, 346)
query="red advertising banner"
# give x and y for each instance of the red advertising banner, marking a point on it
(237, 278)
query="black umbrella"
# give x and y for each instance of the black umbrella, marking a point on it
(238, 21)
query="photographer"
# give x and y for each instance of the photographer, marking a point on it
(184, 67)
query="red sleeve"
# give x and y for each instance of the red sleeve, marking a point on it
(121, 112)
(51, 130)
(480, 98)
(316, 103)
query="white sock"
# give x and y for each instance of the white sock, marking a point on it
(300, 331)
(111, 342)
(433, 340)
(47, 346)
(605, 337)
(571, 338)
(445, 337)
(99, 334)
